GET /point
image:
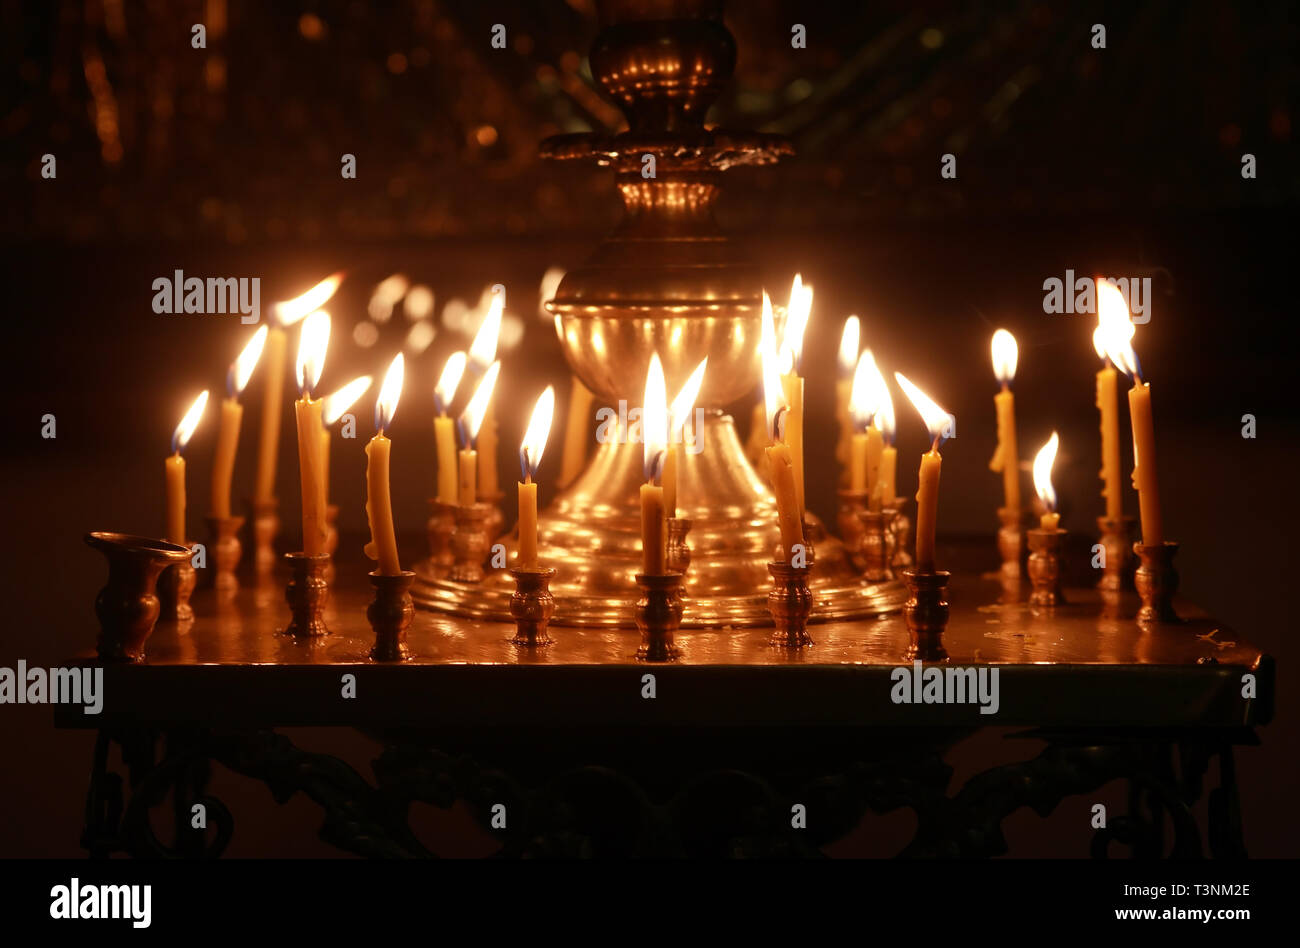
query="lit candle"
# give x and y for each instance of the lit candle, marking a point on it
(577, 432)
(1108, 406)
(444, 431)
(483, 353)
(1006, 459)
(232, 413)
(927, 496)
(1043, 461)
(886, 491)
(654, 437)
(1117, 332)
(379, 502)
(780, 462)
(848, 361)
(530, 458)
(332, 409)
(175, 471)
(797, 313)
(273, 370)
(470, 424)
(307, 411)
(678, 415)
(862, 411)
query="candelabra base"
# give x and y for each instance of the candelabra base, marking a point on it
(127, 607)
(390, 614)
(790, 603)
(532, 606)
(1045, 567)
(658, 616)
(1156, 582)
(307, 592)
(1116, 547)
(926, 614)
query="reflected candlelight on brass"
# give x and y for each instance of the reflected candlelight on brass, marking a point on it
(532, 606)
(658, 616)
(1117, 546)
(306, 593)
(1011, 542)
(926, 614)
(1045, 567)
(1156, 581)
(390, 614)
(791, 602)
(900, 528)
(679, 552)
(175, 586)
(853, 503)
(127, 607)
(265, 515)
(469, 542)
(225, 552)
(875, 547)
(441, 526)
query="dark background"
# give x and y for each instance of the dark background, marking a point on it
(225, 162)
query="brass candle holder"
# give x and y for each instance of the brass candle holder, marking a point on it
(331, 540)
(307, 592)
(853, 503)
(225, 552)
(175, 586)
(658, 616)
(266, 524)
(790, 602)
(1156, 581)
(926, 613)
(469, 542)
(441, 526)
(532, 605)
(678, 558)
(900, 534)
(1118, 546)
(875, 546)
(1011, 541)
(1045, 548)
(127, 607)
(390, 614)
(496, 520)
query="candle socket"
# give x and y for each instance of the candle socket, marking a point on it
(678, 555)
(331, 540)
(1156, 582)
(1045, 548)
(853, 503)
(496, 521)
(532, 605)
(469, 542)
(781, 555)
(1011, 541)
(306, 593)
(900, 534)
(266, 525)
(926, 614)
(658, 615)
(790, 602)
(127, 607)
(226, 551)
(441, 526)
(1117, 544)
(175, 586)
(390, 614)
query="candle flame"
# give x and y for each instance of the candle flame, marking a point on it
(884, 419)
(1099, 344)
(389, 392)
(685, 401)
(935, 418)
(850, 341)
(483, 350)
(315, 339)
(1005, 355)
(242, 368)
(539, 429)
(1043, 462)
(472, 417)
(1116, 329)
(289, 312)
(337, 403)
(448, 382)
(654, 420)
(550, 285)
(797, 312)
(864, 398)
(181, 436)
(773, 393)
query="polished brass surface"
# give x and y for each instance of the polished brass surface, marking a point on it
(853, 503)
(900, 534)
(790, 602)
(532, 606)
(926, 614)
(390, 614)
(658, 616)
(1117, 542)
(1156, 581)
(1045, 548)
(442, 524)
(127, 607)
(306, 593)
(1011, 541)
(265, 515)
(678, 557)
(175, 586)
(225, 552)
(875, 547)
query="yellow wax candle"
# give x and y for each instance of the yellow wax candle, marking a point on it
(175, 469)
(527, 523)
(1043, 461)
(1108, 406)
(333, 407)
(757, 440)
(379, 507)
(482, 353)
(325, 464)
(1050, 521)
(888, 475)
(875, 448)
(488, 483)
(781, 464)
(467, 488)
(678, 414)
(530, 458)
(1144, 463)
(670, 479)
(654, 439)
(843, 446)
(444, 433)
(471, 419)
(577, 432)
(793, 386)
(223, 462)
(272, 405)
(1006, 458)
(654, 530)
(927, 495)
(858, 461)
(308, 413)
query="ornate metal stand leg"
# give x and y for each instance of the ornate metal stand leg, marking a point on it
(926, 614)
(1118, 549)
(127, 606)
(1045, 567)
(175, 586)
(469, 542)
(266, 524)
(306, 593)
(225, 552)
(442, 524)
(1156, 582)
(790, 602)
(658, 616)
(532, 605)
(390, 614)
